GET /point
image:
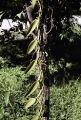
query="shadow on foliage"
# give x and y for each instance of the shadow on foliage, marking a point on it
(66, 59)
(15, 52)
(64, 45)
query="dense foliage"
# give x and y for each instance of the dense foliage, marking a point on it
(14, 85)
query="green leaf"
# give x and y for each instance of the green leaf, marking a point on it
(32, 27)
(36, 117)
(34, 3)
(33, 88)
(32, 46)
(31, 66)
(7, 98)
(18, 15)
(30, 102)
(6, 114)
(1, 113)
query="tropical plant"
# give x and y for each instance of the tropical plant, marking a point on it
(34, 45)
(39, 46)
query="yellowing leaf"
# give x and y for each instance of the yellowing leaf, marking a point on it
(34, 3)
(33, 88)
(31, 66)
(33, 25)
(30, 102)
(32, 46)
(36, 117)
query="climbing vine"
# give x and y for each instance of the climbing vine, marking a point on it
(34, 46)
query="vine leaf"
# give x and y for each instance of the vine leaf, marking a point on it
(31, 66)
(30, 102)
(7, 98)
(32, 46)
(33, 88)
(33, 25)
(34, 3)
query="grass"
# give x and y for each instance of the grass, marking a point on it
(14, 84)
(65, 101)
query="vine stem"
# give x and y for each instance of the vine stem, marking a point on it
(44, 59)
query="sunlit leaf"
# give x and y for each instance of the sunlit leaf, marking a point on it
(68, 65)
(34, 3)
(33, 88)
(30, 102)
(31, 66)
(32, 46)
(7, 98)
(6, 114)
(32, 27)
(1, 113)
(1, 14)
(20, 56)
